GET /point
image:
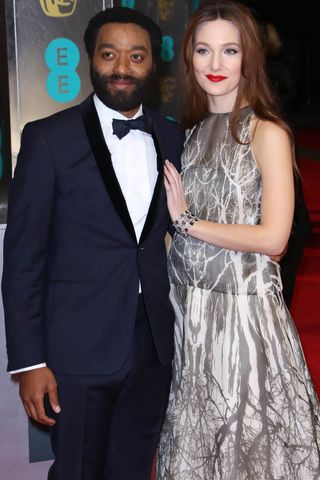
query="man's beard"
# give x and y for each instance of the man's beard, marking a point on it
(121, 101)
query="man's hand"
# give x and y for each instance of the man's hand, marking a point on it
(34, 384)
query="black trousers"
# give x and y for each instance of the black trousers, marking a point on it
(109, 425)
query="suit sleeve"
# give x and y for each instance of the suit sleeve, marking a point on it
(26, 245)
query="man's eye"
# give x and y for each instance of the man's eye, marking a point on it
(137, 57)
(107, 55)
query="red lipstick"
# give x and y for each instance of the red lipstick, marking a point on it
(215, 78)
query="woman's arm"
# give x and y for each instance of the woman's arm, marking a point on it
(272, 150)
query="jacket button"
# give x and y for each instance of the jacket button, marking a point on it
(141, 248)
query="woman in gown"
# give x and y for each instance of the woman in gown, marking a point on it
(242, 405)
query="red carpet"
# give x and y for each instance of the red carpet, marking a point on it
(306, 301)
(308, 138)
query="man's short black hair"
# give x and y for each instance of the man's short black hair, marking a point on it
(122, 15)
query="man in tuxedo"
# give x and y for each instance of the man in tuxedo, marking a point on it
(88, 321)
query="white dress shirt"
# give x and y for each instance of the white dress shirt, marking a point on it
(134, 160)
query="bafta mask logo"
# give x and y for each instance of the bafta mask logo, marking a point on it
(58, 8)
(166, 9)
(168, 89)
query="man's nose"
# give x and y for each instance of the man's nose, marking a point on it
(122, 64)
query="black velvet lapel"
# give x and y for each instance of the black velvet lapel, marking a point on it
(103, 158)
(154, 205)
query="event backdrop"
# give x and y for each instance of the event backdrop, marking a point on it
(172, 17)
(46, 70)
(5, 149)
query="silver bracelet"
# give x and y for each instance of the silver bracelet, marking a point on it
(184, 222)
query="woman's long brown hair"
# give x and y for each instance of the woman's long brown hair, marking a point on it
(254, 88)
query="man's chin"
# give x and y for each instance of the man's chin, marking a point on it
(120, 94)
(120, 102)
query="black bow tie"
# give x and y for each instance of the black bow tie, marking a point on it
(122, 127)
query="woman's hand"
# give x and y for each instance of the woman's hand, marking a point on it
(175, 197)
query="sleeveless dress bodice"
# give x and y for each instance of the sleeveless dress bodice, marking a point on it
(222, 184)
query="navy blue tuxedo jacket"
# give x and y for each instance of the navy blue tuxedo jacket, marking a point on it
(71, 259)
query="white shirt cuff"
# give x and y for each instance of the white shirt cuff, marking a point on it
(26, 369)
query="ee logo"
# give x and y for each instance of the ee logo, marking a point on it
(128, 3)
(195, 4)
(167, 49)
(62, 58)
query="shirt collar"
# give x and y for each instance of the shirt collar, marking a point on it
(106, 114)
